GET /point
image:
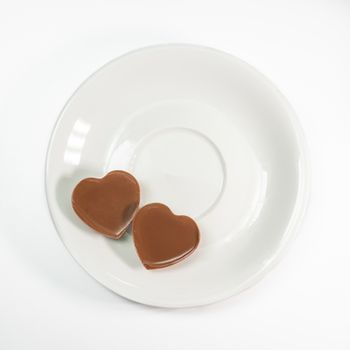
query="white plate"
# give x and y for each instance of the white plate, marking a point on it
(204, 133)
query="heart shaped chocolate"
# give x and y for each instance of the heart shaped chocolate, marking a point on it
(109, 204)
(162, 238)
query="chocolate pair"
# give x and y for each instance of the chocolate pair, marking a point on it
(111, 203)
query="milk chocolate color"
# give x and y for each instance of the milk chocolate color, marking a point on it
(162, 238)
(109, 204)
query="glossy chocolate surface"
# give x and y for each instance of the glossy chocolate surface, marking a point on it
(162, 238)
(109, 204)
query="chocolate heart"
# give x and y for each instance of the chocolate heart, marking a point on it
(108, 205)
(162, 238)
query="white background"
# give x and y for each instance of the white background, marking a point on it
(47, 48)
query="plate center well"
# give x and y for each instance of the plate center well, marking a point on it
(181, 168)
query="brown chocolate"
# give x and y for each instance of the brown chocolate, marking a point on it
(109, 204)
(162, 238)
